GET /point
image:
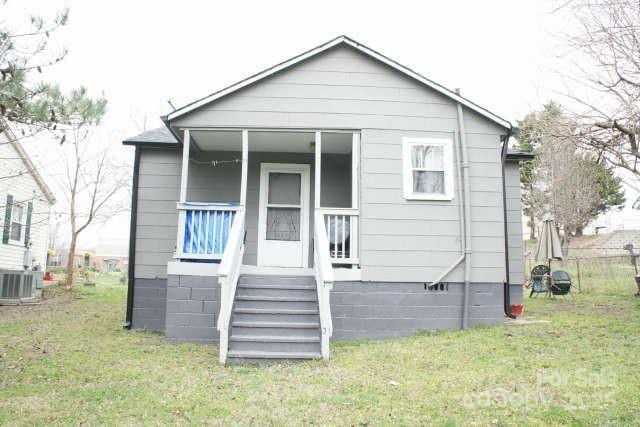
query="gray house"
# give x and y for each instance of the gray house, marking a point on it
(337, 195)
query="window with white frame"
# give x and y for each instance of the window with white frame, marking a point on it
(16, 232)
(428, 168)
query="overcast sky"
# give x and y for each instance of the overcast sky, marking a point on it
(502, 54)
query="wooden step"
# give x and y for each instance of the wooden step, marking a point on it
(292, 286)
(275, 338)
(275, 310)
(293, 325)
(275, 298)
(274, 355)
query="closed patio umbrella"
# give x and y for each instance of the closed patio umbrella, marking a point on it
(549, 243)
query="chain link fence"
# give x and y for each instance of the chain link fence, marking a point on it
(597, 270)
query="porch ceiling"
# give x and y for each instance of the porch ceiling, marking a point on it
(284, 142)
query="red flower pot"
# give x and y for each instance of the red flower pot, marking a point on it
(517, 309)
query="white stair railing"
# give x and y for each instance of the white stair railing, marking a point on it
(324, 281)
(228, 275)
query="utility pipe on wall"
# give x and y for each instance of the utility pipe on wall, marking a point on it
(457, 262)
(467, 216)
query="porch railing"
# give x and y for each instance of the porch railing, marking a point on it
(341, 229)
(203, 229)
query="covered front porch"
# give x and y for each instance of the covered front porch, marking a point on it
(269, 202)
(288, 186)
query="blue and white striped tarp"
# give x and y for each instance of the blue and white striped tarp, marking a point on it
(207, 231)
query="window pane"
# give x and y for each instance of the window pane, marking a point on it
(428, 182)
(16, 222)
(16, 231)
(18, 213)
(284, 188)
(427, 157)
(283, 224)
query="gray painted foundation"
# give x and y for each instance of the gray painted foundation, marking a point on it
(186, 307)
(374, 310)
(149, 304)
(515, 294)
(193, 304)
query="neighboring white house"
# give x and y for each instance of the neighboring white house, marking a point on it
(25, 203)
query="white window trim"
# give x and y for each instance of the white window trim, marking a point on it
(22, 222)
(407, 175)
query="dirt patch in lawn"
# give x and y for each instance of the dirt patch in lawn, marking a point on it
(53, 299)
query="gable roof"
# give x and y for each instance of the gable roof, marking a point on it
(340, 40)
(31, 168)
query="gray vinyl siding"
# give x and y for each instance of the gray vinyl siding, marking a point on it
(157, 220)
(159, 187)
(514, 223)
(343, 89)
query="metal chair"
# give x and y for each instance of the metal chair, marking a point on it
(538, 285)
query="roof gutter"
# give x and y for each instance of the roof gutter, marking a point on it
(507, 285)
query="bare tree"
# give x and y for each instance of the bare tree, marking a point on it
(604, 79)
(564, 177)
(93, 186)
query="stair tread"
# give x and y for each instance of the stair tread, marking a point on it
(261, 324)
(275, 338)
(285, 286)
(274, 298)
(240, 310)
(277, 277)
(275, 354)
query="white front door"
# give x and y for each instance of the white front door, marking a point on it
(283, 222)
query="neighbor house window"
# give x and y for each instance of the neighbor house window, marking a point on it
(428, 168)
(16, 233)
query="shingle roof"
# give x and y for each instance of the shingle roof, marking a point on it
(159, 135)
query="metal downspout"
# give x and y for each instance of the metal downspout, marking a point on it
(132, 239)
(467, 217)
(507, 284)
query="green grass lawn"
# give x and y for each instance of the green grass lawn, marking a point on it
(68, 361)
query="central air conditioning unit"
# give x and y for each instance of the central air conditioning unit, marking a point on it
(19, 285)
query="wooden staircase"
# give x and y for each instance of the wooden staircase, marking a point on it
(274, 318)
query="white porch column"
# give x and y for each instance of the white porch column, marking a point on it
(184, 180)
(245, 166)
(355, 196)
(318, 168)
(185, 166)
(355, 170)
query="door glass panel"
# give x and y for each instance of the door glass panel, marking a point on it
(283, 224)
(284, 188)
